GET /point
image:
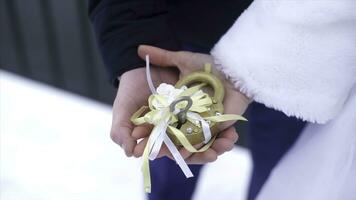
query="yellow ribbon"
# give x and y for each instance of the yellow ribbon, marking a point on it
(159, 110)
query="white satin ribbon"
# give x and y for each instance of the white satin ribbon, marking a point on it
(159, 135)
(204, 124)
(177, 157)
(156, 139)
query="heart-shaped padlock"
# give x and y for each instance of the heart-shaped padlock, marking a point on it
(193, 130)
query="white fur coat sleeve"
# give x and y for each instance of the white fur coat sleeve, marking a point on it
(297, 56)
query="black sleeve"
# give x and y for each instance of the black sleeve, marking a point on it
(121, 25)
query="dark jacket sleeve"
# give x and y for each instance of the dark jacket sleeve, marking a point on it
(121, 25)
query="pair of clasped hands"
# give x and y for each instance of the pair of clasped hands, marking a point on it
(134, 91)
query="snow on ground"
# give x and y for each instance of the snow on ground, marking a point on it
(55, 145)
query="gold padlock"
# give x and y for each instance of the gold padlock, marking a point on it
(193, 131)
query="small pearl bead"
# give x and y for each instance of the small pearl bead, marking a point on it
(189, 130)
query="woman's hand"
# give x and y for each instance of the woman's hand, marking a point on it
(234, 101)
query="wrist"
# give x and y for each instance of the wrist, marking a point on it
(229, 83)
(240, 102)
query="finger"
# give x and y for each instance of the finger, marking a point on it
(230, 134)
(141, 131)
(122, 127)
(164, 151)
(184, 60)
(192, 61)
(120, 134)
(222, 145)
(207, 156)
(140, 147)
(182, 151)
(230, 101)
(225, 141)
(158, 56)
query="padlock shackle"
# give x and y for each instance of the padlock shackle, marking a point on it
(204, 77)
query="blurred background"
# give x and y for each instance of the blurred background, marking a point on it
(52, 42)
(55, 114)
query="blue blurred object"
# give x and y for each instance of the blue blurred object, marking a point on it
(169, 182)
(270, 134)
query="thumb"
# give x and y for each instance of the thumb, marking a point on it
(158, 56)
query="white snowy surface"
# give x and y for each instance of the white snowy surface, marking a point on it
(55, 145)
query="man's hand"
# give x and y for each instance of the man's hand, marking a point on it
(234, 102)
(133, 93)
